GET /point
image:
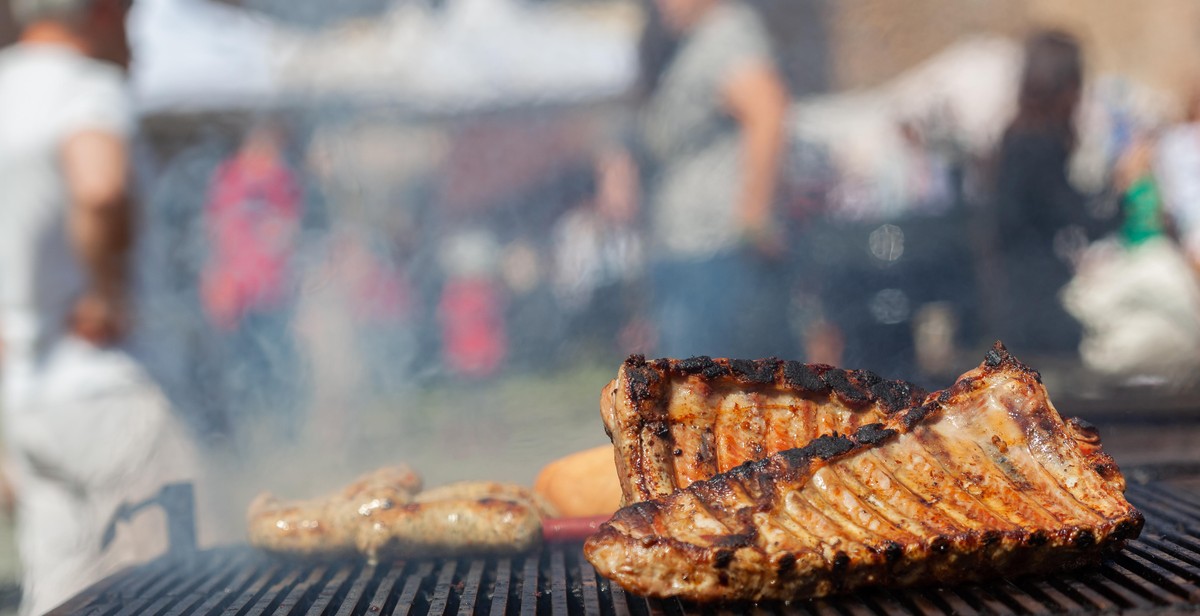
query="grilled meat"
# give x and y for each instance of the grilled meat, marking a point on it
(451, 527)
(382, 513)
(328, 525)
(674, 422)
(982, 479)
(459, 518)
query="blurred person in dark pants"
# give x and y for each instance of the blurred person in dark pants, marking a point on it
(1040, 218)
(712, 127)
(85, 427)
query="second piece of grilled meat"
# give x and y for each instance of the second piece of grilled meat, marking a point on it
(983, 479)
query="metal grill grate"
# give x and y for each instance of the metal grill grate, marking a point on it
(1160, 572)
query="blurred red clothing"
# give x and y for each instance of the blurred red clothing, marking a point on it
(252, 214)
(474, 341)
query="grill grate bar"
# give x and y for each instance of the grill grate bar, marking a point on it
(157, 595)
(293, 596)
(1124, 596)
(265, 599)
(325, 597)
(619, 602)
(357, 590)
(857, 608)
(953, 602)
(121, 601)
(256, 585)
(1087, 595)
(225, 570)
(470, 594)
(379, 600)
(655, 607)
(1166, 561)
(1135, 582)
(1162, 578)
(1190, 544)
(591, 594)
(1025, 603)
(920, 604)
(1163, 506)
(1173, 555)
(1191, 501)
(986, 601)
(441, 594)
(408, 594)
(1049, 596)
(249, 572)
(529, 586)
(152, 578)
(501, 588)
(883, 602)
(558, 583)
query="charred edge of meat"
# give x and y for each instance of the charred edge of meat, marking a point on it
(643, 381)
(1083, 430)
(853, 387)
(1084, 424)
(873, 434)
(998, 358)
(805, 377)
(917, 414)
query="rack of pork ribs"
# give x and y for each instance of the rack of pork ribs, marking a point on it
(753, 480)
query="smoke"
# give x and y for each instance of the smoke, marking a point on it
(473, 247)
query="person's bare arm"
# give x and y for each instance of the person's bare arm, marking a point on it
(757, 98)
(100, 222)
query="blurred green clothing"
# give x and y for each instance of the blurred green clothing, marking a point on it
(1143, 212)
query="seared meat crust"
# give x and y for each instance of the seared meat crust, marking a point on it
(980, 480)
(673, 422)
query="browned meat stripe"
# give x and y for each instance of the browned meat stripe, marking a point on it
(980, 480)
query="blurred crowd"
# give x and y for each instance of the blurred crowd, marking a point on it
(293, 264)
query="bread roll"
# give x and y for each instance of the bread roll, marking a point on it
(582, 484)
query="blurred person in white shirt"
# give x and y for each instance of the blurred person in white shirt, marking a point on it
(85, 428)
(1177, 170)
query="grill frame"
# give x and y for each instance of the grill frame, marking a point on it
(1158, 573)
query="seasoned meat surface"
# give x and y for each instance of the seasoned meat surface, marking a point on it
(451, 527)
(460, 518)
(674, 422)
(328, 525)
(495, 490)
(980, 480)
(382, 513)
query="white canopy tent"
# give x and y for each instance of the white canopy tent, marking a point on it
(199, 55)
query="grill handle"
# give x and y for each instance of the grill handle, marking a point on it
(178, 502)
